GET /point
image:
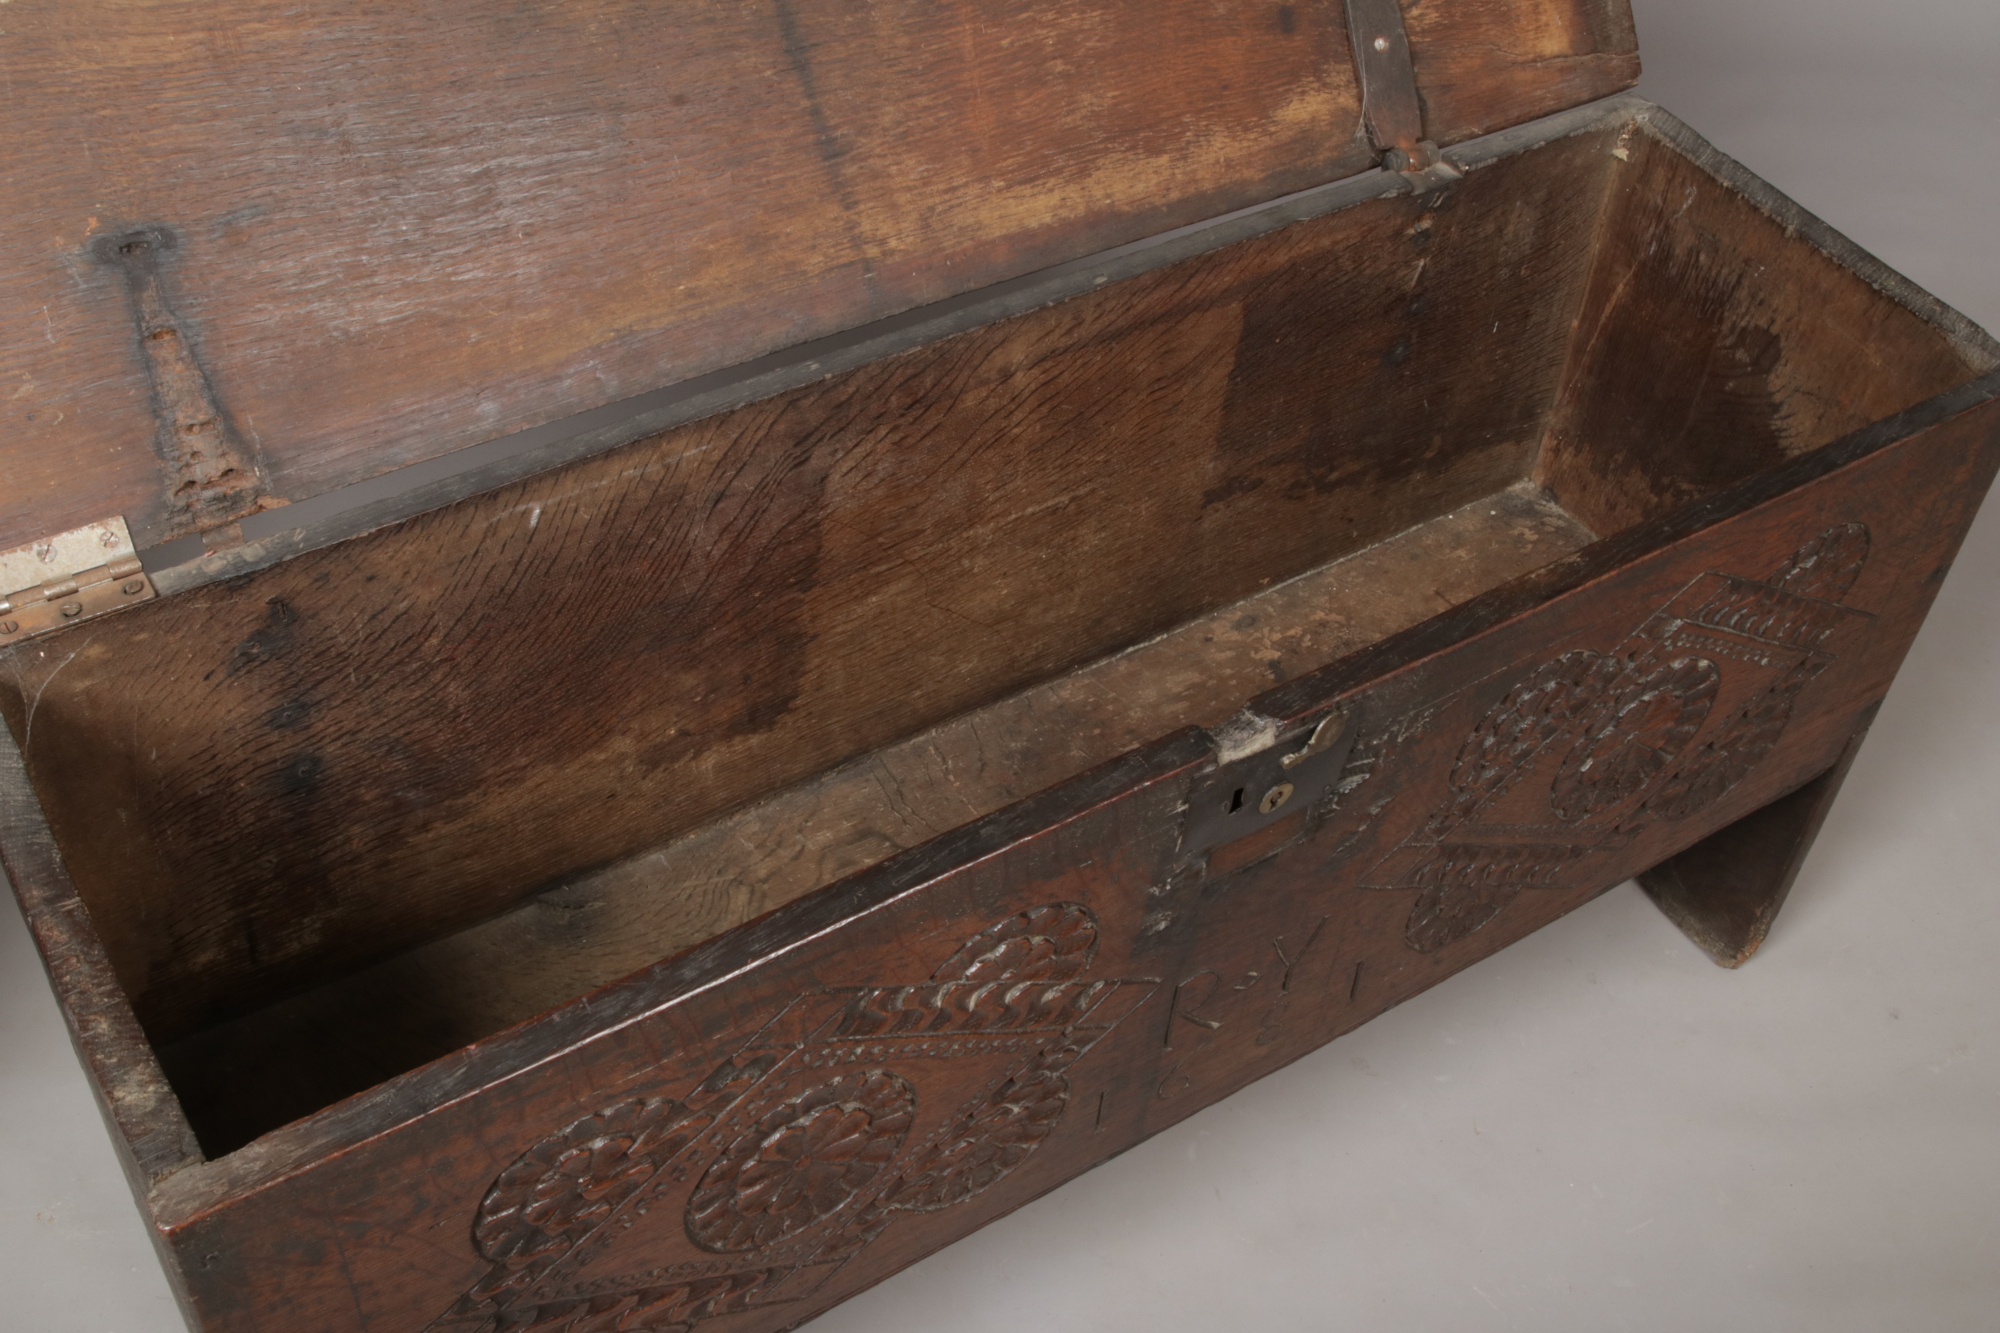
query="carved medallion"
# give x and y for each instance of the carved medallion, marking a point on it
(990, 1138)
(1589, 748)
(801, 1162)
(1638, 730)
(849, 1109)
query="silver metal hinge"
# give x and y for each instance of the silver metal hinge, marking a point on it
(70, 578)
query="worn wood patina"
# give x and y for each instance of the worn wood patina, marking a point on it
(676, 875)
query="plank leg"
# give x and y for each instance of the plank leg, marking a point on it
(1725, 891)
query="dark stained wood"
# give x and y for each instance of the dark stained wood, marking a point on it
(941, 992)
(241, 1078)
(1287, 411)
(1554, 56)
(336, 758)
(1712, 346)
(148, 1129)
(404, 228)
(905, 661)
(1727, 889)
(147, 1125)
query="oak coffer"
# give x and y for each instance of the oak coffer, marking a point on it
(655, 661)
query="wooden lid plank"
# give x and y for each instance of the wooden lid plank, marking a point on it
(394, 229)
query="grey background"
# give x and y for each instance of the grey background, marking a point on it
(1595, 1130)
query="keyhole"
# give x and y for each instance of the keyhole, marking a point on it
(1234, 803)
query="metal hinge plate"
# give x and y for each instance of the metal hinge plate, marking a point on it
(70, 578)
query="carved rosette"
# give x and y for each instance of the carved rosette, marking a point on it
(1540, 709)
(1641, 728)
(804, 1144)
(567, 1185)
(1742, 745)
(801, 1162)
(1055, 943)
(990, 1139)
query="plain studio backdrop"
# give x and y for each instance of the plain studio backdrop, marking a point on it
(1597, 1129)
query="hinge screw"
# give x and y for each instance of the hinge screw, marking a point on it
(133, 587)
(9, 626)
(71, 610)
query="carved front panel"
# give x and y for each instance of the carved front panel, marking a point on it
(740, 1139)
(1479, 805)
(845, 1115)
(855, 1108)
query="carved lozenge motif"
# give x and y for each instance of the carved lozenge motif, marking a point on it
(1589, 748)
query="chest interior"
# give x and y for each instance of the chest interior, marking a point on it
(339, 816)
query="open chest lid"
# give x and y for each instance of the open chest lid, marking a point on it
(257, 254)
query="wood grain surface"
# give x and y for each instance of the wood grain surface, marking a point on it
(241, 1078)
(1697, 363)
(991, 1013)
(394, 726)
(1727, 889)
(333, 759)
(141, 1110)
(1063, 521)
(398, 229)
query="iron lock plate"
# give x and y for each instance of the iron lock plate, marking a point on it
(1258, 790)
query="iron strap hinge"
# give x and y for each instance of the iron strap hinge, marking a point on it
(69, 578)
(1390, 104)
